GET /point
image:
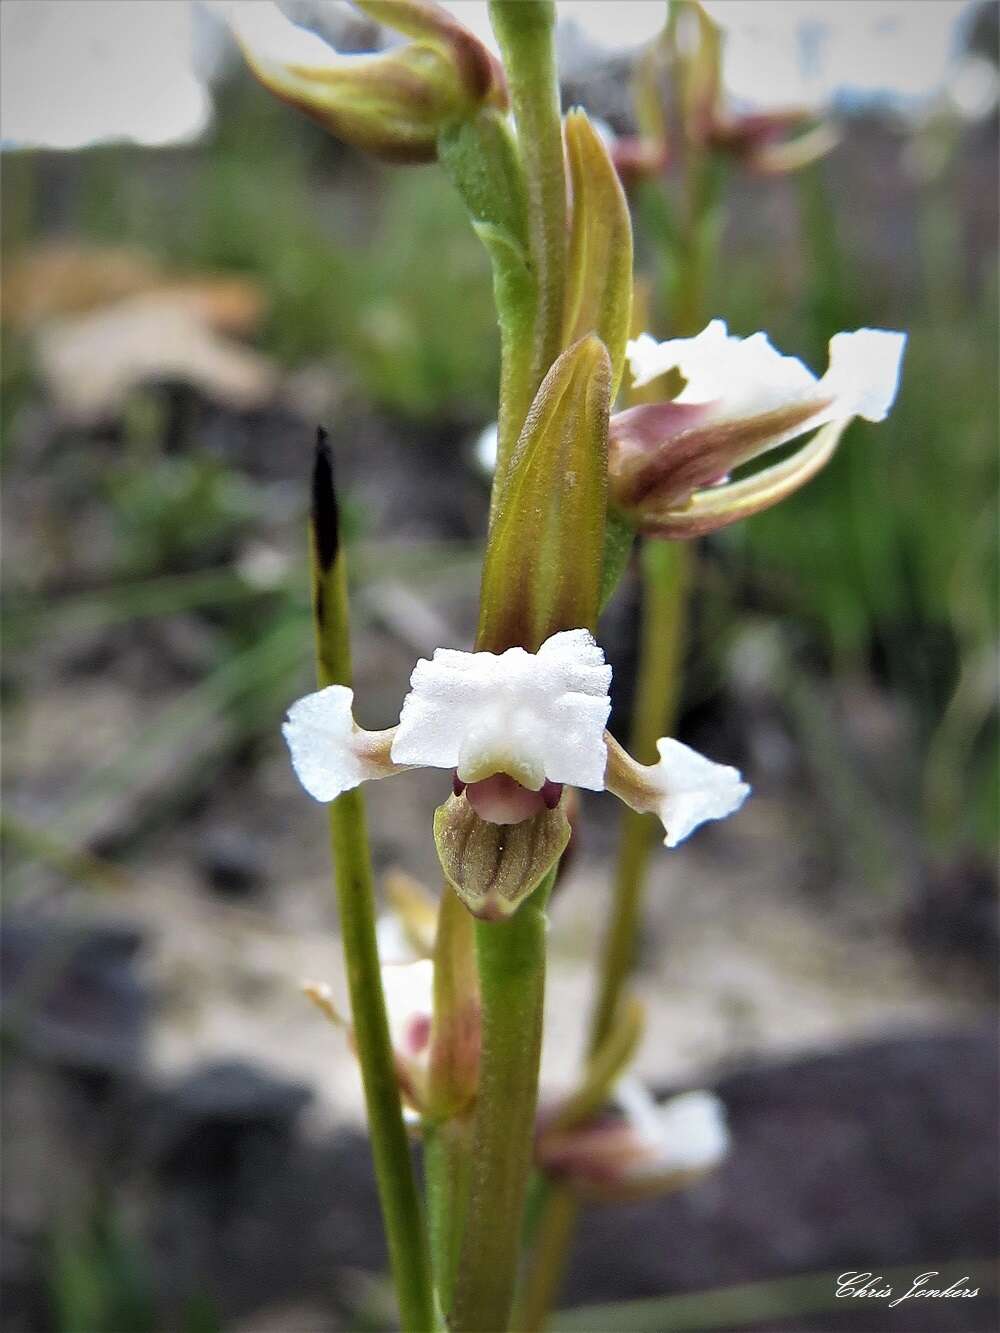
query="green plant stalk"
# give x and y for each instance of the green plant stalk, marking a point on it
(447, 1170)
(665, 570)
(525, 30)
(511, 958)
(404, 1223)
(556, 1225)
(665, 573)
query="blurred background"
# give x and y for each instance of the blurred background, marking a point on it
(194, 277)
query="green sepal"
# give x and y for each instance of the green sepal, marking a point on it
(619, 538)
(599, 277)
(542, 570)
(494, 867)
(480, 73)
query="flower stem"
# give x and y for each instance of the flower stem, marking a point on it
(525, 31)
(447, 1169)
(511, 957)
(404, 1223)
(665, 572)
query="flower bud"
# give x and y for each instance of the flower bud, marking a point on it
(599, 275)
(393, 103)
(542, 572)
(494, 867)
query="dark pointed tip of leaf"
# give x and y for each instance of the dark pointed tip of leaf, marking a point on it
(325, 517)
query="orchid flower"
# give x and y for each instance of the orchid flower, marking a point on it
(514, 728)
(669, 462)
(639, 1147)
(409, 1003)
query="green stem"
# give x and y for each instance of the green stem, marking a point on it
(447, 1169)
(665, 567)
(401, 1211)
(511, 956)
(525, 30)
(548, 1262)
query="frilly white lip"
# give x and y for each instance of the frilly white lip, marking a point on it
(530, 715)
(742, 377)
(535, 718)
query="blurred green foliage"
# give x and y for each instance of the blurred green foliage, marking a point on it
(99, 1280)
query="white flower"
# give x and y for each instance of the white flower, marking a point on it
(639, 1147)
(686, 1133)
(409, 1003)
(514, 727)
(743, 377)
(533, 716)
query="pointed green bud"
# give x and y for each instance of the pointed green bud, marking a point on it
(542, 571)
(494, 867)
(393, 103)
(599, 278)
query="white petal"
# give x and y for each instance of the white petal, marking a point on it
(684, 1133)
(742, 377)
(409, 1004)
(321, 737)
(864, 372)
(531, 715)
(693, 790)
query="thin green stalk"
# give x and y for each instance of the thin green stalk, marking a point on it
(525, 30)
(401, 1211)
(548, 1262)
(665, 571)
(511, 956)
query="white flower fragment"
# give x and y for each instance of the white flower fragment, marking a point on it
(330, 754)
(693, 789)
(532, 716)
(744, 377)
(685, 1134)
(408, 989)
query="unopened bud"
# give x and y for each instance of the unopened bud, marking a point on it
(494, 867)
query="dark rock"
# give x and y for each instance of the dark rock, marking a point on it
(878, 1155)
(71, 994)
(231, 860)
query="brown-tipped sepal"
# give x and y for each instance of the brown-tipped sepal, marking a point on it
(599, 276)
(494, 867)
(479, 71)
(542, 572)
(393, 104)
